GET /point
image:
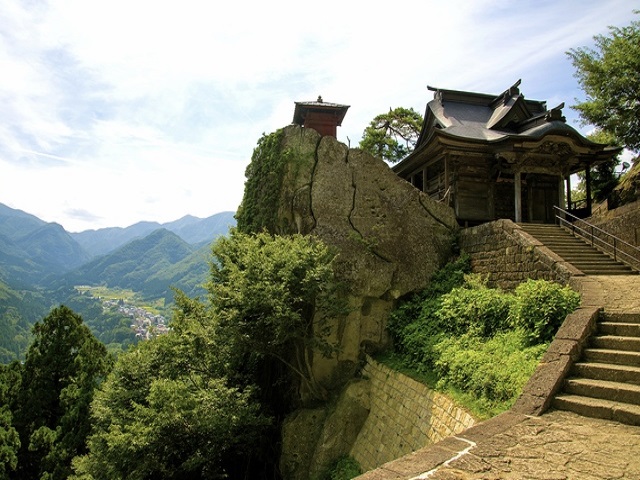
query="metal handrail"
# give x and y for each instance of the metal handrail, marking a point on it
(610, 244)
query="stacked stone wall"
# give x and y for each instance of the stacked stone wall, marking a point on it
(623, 222)
(405, 416)
(508, 255)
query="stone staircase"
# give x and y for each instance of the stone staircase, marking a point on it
(605, 383)
(576, 251)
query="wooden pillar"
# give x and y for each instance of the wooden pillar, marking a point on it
(424, 179)
(568, 192)
(561, 199)
(518, 196)
(587, 181)
(446, 180)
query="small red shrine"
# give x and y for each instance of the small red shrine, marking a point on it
(322, 116)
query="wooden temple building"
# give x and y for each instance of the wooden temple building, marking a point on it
(500, 156)
(324, 117)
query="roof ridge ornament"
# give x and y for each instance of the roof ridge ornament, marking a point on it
(555, 114)
(512, 91)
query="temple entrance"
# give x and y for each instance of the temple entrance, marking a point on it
(543, 196)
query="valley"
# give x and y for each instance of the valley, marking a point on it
(120, 280)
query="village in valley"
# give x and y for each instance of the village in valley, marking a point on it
(144, 324)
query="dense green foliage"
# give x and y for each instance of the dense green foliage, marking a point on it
(345, 468)
(19, 310)
(608, 74)
(273, 296)
(205, 400)
(51, 393)
(9, 437)
(264, 175)
(604, 177)
(477, 339)
(540, 308)
(168, 410)
(392, 135)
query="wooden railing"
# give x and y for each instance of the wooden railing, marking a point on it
(604, 241)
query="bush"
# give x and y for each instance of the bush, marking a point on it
(345, 468)
(494, 369)
(474, 308)
(482, 341)
(540, 307)
(423, 304)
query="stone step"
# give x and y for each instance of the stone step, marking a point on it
(602, 264)
(577, 251)
(624, 317)
(621, 329)
(607, 371)
(593, 272)
(614, 391)
(563, 241)
(599, 408)
(616, 357)
(616, 342)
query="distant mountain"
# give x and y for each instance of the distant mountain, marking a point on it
(31, 249)
(147, 257)
(51, 246)
(15, 224)
(140, 265)
(196, 230)
(191, 229)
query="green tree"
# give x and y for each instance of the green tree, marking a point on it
(274, 296)
(63, 366)
(392, 135)
(168, 411)
(608, 74)
(604, 178)
(10, 376)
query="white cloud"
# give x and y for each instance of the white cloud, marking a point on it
(118, 111)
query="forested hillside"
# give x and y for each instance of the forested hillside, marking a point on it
(41, 263)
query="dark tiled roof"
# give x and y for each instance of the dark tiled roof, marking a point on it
(487, 117)
(318, 105)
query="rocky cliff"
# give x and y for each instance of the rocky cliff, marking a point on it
(390, 237)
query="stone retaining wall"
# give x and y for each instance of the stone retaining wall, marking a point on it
(623, 222)
(405, 416)
(510, 256)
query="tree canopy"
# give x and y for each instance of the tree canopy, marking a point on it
(194, 403)
(63, 366)
(273, 296)
(608, 74)
(168, 411)
(392, 135)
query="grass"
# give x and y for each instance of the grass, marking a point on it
(480, 409)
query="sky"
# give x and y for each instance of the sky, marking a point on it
(119, 111)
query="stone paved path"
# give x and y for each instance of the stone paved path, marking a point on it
(618, 293)
(556, 446)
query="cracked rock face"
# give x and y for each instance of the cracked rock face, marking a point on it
(390, 237)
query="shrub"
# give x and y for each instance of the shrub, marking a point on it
(423, 304)
(474, 308)
(540, 307)
(345, 468)
(495, 369)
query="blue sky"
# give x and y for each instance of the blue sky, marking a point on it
(119, 111)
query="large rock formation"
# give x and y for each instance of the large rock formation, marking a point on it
(390, 236)
(390, 239)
